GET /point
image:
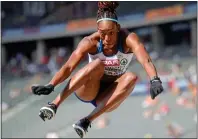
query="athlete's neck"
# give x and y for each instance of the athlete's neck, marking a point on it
(110, 51)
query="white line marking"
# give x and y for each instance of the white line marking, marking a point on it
(19, 107)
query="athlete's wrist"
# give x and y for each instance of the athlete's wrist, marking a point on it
(155, 78)
(51, 83)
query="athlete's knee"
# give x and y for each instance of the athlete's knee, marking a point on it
(130, 78)
(97, 66)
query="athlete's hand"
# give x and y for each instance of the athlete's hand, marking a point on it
(42, 89)
(156, 87)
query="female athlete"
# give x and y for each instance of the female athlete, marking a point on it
(104, 81)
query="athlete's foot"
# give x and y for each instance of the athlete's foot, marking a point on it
(81, 127)
(48, 112)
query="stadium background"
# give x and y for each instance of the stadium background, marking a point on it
(38, 37)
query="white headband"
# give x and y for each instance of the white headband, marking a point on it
(110, 19)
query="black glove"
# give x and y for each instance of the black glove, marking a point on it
(156, 87)
(42, 89)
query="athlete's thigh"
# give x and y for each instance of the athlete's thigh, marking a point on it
(89, 90)
(94, 72)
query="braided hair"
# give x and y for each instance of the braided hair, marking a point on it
(107, 9)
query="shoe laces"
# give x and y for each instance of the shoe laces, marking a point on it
(52, 105)
(86, 123)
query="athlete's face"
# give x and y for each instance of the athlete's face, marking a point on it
(108, 33)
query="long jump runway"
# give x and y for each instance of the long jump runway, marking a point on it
(125, 122)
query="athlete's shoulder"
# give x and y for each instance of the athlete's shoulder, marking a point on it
(94, 38)
(89, 40)
(132, 37)
(89, 43)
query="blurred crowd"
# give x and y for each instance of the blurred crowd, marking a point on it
(20, 65)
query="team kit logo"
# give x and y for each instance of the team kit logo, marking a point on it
(115, 66)
(124, 61)
(111, 62)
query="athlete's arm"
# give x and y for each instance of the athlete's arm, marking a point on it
(82, 49)
(143, 57)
